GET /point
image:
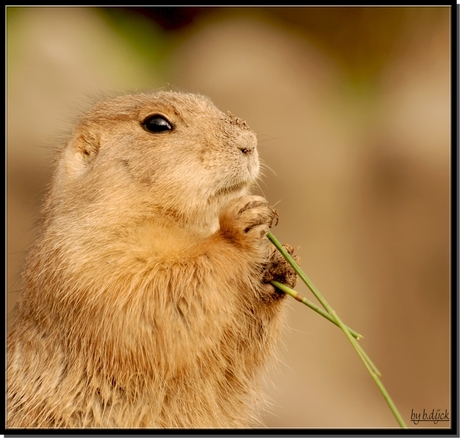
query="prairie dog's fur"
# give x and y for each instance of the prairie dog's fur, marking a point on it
(144, 302)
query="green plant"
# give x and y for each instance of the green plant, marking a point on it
(330, 314)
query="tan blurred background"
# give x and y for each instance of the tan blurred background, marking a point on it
(352, 110)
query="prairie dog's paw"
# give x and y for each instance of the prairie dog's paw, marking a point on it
(248, 216)
(278, 269)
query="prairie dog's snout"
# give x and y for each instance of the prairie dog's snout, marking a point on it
(246, 142)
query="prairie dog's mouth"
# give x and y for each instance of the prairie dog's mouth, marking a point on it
(233, 188)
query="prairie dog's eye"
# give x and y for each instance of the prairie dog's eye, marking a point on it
(157, 123)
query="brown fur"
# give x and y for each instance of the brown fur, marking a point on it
(144, 301)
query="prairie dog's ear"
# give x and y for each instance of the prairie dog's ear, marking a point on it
(87, 145)
(79, 154)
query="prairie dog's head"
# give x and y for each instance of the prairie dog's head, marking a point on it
(150, 153)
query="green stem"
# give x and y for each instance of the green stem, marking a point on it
(317, 294)
(287, 290)
(365, 359)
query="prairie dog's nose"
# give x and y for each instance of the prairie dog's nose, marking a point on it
(247, 142)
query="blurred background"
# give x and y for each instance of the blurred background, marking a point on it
(351, 106)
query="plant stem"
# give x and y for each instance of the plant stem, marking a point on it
(365, 359)
(287, 290)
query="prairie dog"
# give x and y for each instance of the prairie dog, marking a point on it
(144, 301)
